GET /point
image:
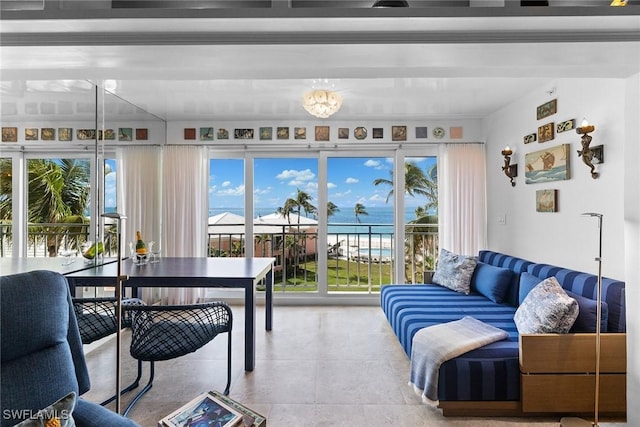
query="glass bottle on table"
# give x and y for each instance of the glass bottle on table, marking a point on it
(141, 249)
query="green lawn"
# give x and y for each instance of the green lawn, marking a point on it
(343, 276)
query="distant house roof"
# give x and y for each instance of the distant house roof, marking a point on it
(226, 223)
(279, 219)
(232, 224)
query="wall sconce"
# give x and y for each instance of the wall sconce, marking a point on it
(590, 155)
(510, 170)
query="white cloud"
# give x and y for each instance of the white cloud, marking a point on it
(342, 194)
(377, 198)
(296, 177)
(351, 180)
(236, 191)
(226, 183)
(376, 164)
(331, 185)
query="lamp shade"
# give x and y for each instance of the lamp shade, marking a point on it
(322, 103)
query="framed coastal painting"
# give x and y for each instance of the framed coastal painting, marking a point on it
(551, 164)
(547, 201)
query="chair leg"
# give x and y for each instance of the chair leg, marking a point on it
(128, 388)
(226, 390)
(143, 391)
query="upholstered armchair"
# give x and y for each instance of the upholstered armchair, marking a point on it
(42, 356)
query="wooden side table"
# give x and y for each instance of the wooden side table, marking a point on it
(558, 373)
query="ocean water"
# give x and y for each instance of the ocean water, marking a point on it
(380, 219)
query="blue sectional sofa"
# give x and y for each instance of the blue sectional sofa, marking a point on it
(488, 380)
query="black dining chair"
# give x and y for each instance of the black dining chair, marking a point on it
(167, 332)
(97, 319)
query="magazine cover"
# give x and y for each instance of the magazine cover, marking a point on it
(203, 411)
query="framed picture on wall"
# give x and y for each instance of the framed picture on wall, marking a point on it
(547, 201)
(551, 164)
(322, 133)
(546, 132)
(547, 109)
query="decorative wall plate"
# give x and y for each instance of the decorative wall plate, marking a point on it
(438, 132)
(360, 132)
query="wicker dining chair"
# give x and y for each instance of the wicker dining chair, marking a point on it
(97, 319)
(167, 332)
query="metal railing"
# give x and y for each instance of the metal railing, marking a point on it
(361, 260)
(361, 257)
(49, 239)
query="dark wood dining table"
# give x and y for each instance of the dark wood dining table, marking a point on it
(244, 273)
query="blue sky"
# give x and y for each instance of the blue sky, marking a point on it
(350, 181)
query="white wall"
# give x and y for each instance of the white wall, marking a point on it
(565, 237)
(632, 245)
(471, 132)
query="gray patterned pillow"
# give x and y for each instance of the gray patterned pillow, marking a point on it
(454, 271)
(546, 309)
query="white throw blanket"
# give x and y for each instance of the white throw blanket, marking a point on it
(434, 345)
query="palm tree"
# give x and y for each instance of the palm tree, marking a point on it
(287, 209)
(359, 209)
(415, 182)
(58, 192)
(332, 208)
(303, 203)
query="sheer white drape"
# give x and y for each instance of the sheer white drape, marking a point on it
(139, 196)
(139, 192)
(462, 210)
(184, 190)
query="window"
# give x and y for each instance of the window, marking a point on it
(360, 232)
(58, 203)
(285, 195)
(6, 206)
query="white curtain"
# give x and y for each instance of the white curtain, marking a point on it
(139, 193)
(139, 196)
(184, 207)
(462, 211)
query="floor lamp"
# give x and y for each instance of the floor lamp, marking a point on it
(119, 279)
(579, 422)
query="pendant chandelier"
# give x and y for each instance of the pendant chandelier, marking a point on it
(322, 103)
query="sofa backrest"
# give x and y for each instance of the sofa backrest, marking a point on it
(41, 351)
(585, 284)
(517, 265)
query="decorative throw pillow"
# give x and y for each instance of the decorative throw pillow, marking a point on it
(491, 281)
(454, 271)
(527, 282)
(588, 314)
(547, 309)
(57, 414)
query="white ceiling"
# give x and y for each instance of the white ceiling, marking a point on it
(263, 81)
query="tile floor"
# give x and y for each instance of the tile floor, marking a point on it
(320, 366)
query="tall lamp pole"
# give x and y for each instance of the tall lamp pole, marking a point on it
(119, 279)
(579, 422)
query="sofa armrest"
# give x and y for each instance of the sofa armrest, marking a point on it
(89, 414)
(572, 353)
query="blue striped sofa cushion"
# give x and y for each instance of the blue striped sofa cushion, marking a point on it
(586, 284)
(487, 373)
(517, 265)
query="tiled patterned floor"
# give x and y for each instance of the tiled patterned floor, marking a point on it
(320, 366)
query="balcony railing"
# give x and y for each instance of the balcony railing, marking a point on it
(49, 239)
(360, 256)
